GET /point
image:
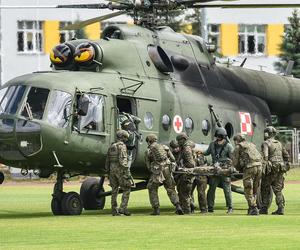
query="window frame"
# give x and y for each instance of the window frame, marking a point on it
(37, 29)
(245, 34)
(69, 34)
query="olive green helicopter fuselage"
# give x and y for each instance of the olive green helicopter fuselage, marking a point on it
(165, 78)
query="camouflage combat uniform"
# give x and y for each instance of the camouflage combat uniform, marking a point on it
(248, 160)
(221, 154)
(119, 175)
(159, 165)
(200, 183)
(274, 156)
(185, 181)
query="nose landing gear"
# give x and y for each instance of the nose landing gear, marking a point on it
(65, 203)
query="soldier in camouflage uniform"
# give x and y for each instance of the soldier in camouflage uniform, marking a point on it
(221, 152)
(185, 182)
(200, 182)
(158, 162)
(247, 159)
(276, 163)
(119, 173)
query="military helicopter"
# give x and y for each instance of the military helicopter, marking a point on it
(64, 120)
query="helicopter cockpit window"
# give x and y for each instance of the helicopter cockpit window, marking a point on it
(11, 99)
(59, 108)
(35, 103)
(2, 94)
(93, 121)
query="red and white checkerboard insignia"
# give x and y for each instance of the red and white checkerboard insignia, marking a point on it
(177, 124)
(246, 124)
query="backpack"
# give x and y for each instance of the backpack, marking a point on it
(249, 154)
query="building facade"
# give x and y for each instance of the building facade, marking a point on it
(28, 35)
(252, 33)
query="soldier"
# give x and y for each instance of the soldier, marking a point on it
(158, 163)
(276, 163)
(119, 173)
(175, 149)
(247, 159)
(185, 181)
(221, 152)
(200, 182)
(130, 123)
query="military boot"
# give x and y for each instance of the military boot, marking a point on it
(179, 210)
(115, 212)
(229, 210)
(279, 211)
(193, 207)
(253, 211)
(203, 211)
(210, 210)
(263, 210)
(124, 211)
(155, 211)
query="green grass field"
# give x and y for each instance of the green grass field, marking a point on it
(26, 222)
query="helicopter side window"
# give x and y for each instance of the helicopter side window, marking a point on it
(11, 99)
(93, 120)
(59, 108)
(35, 103)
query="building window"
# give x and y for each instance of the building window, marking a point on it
(65, 35)
(213, 31)
(252, 39)
(30, 36)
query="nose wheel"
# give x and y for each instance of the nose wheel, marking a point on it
(65, 203)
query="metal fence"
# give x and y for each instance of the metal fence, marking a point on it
(290, 139)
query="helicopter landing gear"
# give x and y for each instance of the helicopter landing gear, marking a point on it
(64, 203)
(90, 193)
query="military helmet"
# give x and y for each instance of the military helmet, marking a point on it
(239, 137)
(270, 130)
(174, 144)
(221, 132)
(182, 136)
(151, 138)
(122, 134)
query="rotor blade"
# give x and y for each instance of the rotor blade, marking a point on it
(27, 7)
(82, 24)
(240, 5)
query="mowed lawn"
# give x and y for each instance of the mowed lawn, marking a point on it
(26, 222)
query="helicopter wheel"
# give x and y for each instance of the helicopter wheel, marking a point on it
(71, 204)
(89, 193)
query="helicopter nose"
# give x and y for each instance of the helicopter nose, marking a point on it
(19, 138)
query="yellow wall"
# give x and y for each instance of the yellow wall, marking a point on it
(229, 39)
(274, 38)
(93, 31)
(51, 35)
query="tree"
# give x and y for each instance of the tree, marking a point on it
(290, 47)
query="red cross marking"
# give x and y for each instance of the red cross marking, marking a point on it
(177, 124)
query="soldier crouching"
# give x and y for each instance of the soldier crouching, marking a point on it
(119, 173)
(159, 165)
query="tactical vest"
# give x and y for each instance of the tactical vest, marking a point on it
(249, 154)
(158, 152)
(113, 152)
(275, 151)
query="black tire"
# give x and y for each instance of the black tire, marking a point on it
(56, 206)
(259, 201)
(89, 193)
(71, 204)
